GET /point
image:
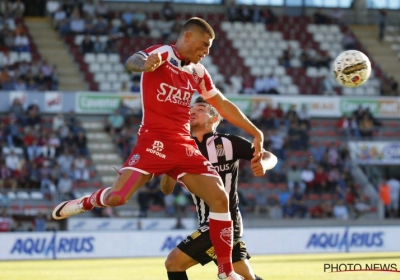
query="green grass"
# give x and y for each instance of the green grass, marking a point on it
(290, 267)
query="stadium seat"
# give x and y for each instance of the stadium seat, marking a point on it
(89, 57)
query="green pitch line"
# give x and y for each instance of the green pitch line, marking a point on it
(282, 267)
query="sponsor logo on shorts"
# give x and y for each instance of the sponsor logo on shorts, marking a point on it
(191, 151)
(211, 253)
(134, 159)
(156, 149)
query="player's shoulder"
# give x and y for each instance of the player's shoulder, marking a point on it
(158, 48)
(231, 137)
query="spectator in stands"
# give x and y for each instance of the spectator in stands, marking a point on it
(232, 12)
(237, 81)
(12, 160)
(65, 161)
(384, 194)
(286, 57)
(394, 186)
(340, 210)
(337, 16)
(40, 222)
(289, 209)
(59, 18)
(115, 122)
(269, 16)
(6, 222)
(4, 199)
(100, 26)
(271, 84)
(322, 59)
(48, 187)
(17, 8)
(382, 24)
(320, 183)
(323, 210)
(81, 144)
(81, 172)
(343, 125)
(244, 13)
(297, 199)
(319, 17)
(327, 86)
(35, 150)
(294, 178)
(6, 176)
(366, 126)
(87, 45)
(181, 202)
(277, 143)
(260, 200)
(259, 85)
(168, 11)
(65, 187)
(89, 7)
(307, 177)
(348, 41)
(102, 9)
(21, 42)
(169, 202)
(165, 27)
(139, 23)
(354, 129)
(68, 7)
(257, 14)
(77, 24)
(89, 24)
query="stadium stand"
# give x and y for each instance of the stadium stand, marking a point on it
(297, 51)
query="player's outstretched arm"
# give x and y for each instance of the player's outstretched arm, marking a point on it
(267, 162)
(167, 184)
(139, 63)
(232, 113)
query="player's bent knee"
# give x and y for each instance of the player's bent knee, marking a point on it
(220, 200)
(171, 263)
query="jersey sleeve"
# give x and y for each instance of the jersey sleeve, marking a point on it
(242, 148)
(206, 86)
(155, 49)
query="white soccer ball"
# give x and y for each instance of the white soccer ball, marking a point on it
(352, 68)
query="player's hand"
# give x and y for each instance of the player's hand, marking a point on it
(153, 62)
(258, 146)
(257, 167)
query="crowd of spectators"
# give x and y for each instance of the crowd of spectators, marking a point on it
(19, 72)
(361, 124)
(38, 154)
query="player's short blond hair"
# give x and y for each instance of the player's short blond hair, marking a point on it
(201, 24)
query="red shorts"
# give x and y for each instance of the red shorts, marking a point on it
(175, 157)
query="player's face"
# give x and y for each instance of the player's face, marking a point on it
(199, 115)
(199, 45)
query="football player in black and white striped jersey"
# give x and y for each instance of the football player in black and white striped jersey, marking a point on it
(223, 151)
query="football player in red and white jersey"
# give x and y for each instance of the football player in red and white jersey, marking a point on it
(170, 76)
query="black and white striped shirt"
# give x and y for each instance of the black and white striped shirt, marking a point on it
(224, 152)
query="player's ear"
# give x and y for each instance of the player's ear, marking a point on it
(188, 36)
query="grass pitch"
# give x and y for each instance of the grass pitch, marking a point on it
(288, 267)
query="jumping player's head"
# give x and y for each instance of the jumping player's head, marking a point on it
(195, 39)
(203, 116)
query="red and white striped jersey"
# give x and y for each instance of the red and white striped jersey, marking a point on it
(167, 92)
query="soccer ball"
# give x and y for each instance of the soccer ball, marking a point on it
(352, 68)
